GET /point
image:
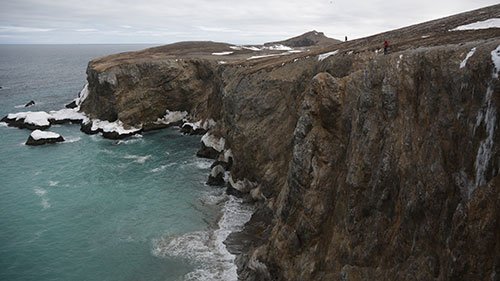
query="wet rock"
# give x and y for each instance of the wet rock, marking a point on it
(207, 152)
(39, 137)
(189, 129)
(71, 105)
(216, 177)
(224, 164)
(87, 128)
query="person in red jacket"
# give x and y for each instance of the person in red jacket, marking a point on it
(386, 47)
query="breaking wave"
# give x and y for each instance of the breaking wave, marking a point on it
(205, 249)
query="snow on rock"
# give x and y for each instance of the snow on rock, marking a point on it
(212, 141)
(38, 137)
(495, 57)
(326, 55)
(262, 56)
(42, 119)
(485, 24)
(84, 93)
(464, 62)
(279, 47)
(198, 128)
(172, 117)
(251, 48)
(228, 154)
(487, 115)
(65, 115)
(113, 127)
(222, 53)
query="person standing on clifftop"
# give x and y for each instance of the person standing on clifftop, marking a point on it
(386, 47)
(346, 38)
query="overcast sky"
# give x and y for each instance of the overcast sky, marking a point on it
(241, 22)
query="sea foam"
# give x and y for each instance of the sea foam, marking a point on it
(205, 248)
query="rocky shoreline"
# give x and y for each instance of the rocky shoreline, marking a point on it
(362, 166)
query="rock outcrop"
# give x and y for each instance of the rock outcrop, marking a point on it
(38, 137)
(365, 166)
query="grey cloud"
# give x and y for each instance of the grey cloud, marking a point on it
(257, 21)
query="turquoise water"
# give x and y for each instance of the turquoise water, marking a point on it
(98, 209)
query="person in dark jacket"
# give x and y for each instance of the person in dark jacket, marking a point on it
(386, 47)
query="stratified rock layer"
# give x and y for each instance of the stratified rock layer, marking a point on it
(370, 166)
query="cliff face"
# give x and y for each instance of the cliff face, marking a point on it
(372, 167)
(392, 176)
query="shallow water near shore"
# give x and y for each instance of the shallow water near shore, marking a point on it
(98, 209)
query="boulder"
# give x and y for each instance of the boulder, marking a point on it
(207, 152)
(189, 129)
(216, 177)
(39, 137)
(72, 105)
(118, 136)
(224, 164)
(87, 128)
(30, 103)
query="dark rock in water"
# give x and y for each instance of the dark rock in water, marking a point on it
(71, 105)
(158, 126)
(154, 126)
(224, 164)
(1, 87)
(87, 129)
(19, 123)
(199, 131)
(188, 129)
(65, 121)
(117, 136)
(216, 177)
(30, 103)
(207, 152)
(44, 140)
(230, 190)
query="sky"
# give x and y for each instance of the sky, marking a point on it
(232, 21)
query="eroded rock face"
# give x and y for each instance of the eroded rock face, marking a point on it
(366, 166)
(141, 92)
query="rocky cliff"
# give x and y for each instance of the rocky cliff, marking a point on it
(365, 166)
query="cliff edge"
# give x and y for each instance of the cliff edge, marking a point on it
(364, 166)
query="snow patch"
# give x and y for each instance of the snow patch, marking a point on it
(213, 142)
(495, 57)
(278, 47)
(326, 55)
(172, 117)
(66, 114)
(262, 56)
(485, 24)
(82, 96)
(487, 115)
(41, 118)
(38, 135)
(399, 61)
(222, 53)
(205, 125)
(109, 127)
(464, 62)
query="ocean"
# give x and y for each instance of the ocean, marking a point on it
(97, 209)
